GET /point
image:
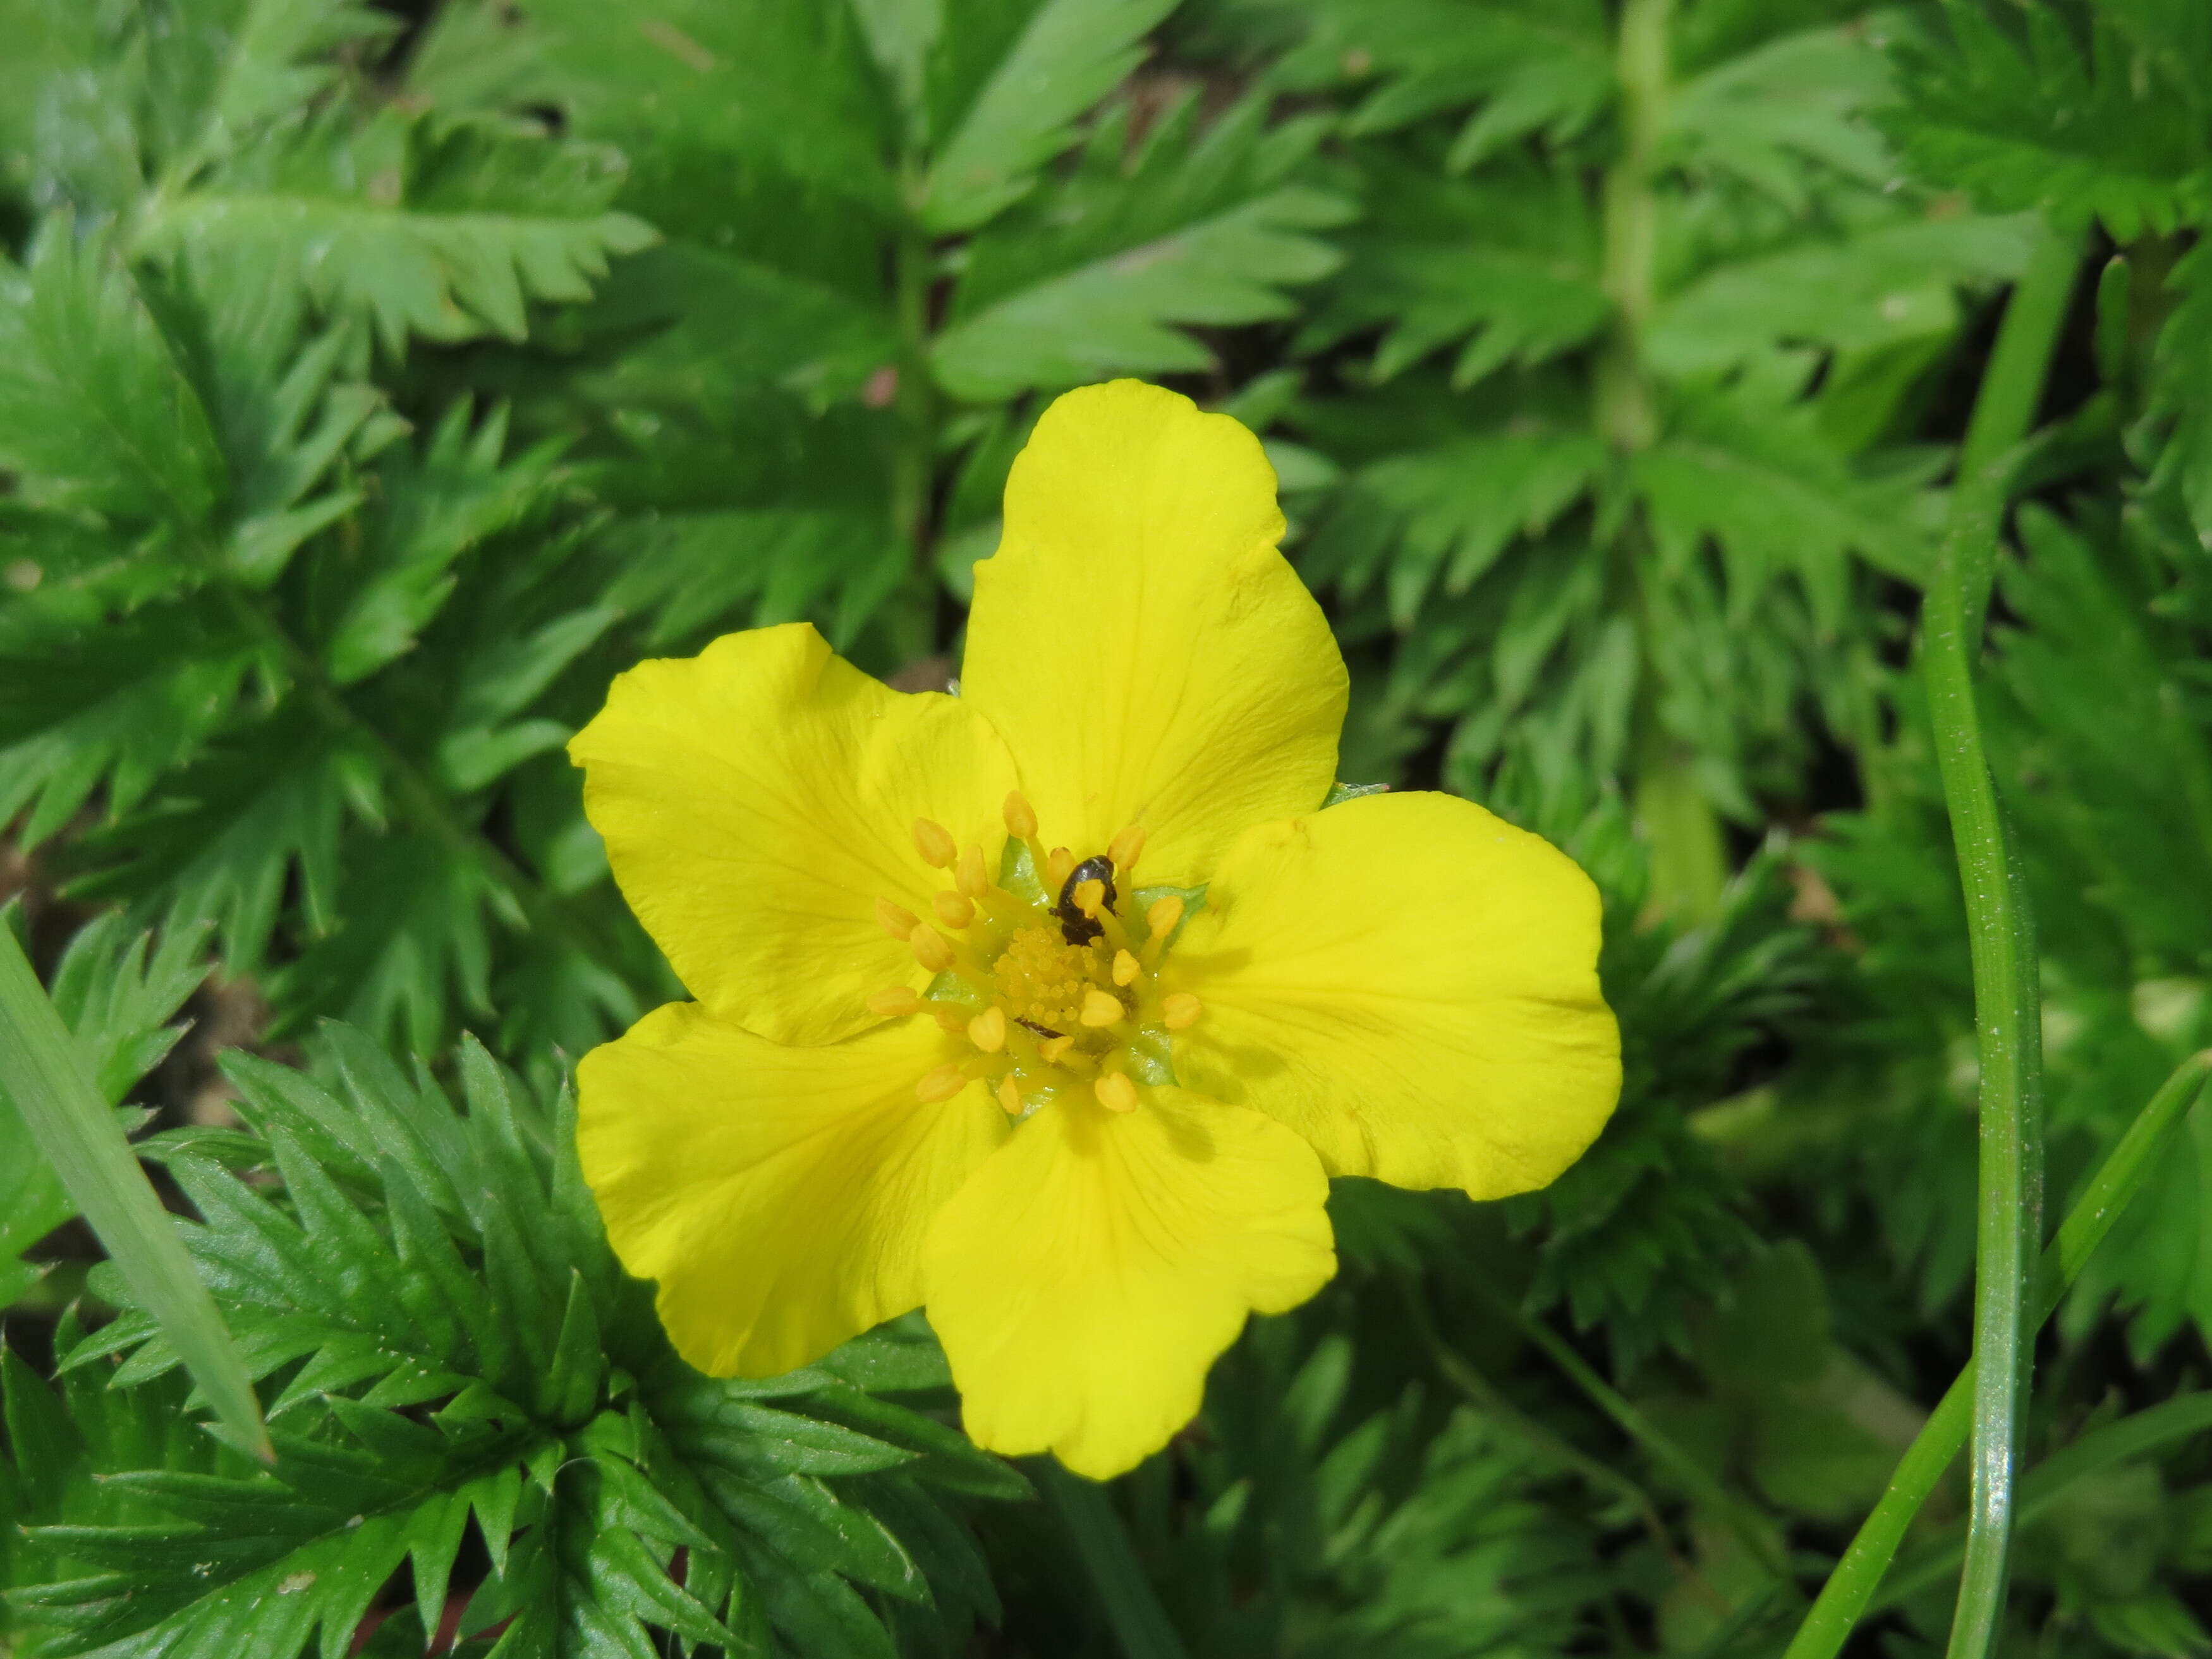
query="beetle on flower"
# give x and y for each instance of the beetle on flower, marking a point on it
(1053, 1006)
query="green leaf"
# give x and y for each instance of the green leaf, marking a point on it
(1070, 54)
(46, 1082)
(95, 413)
(1198, 230)
(450, 232)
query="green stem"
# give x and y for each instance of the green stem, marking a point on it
(42, 1073)
(1690, 1474)
(1086, 1514)
(2007, 996)
(1850, 1587)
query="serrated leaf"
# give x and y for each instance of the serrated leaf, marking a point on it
(1068, 57)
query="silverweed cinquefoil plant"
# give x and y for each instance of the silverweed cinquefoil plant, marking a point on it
(1053, 1005)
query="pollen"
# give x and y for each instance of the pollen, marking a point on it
(1041, 978)
(942, 1084)
(1048, 985)
(969, 876)
(931, 948)
(894, 1002)
(1115, 1092)
(1102, 1008)
(987, 1030)
(934, 842)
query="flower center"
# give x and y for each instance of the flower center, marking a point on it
(1048, 969)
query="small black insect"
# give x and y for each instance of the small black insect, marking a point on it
(1074, 926)
(1045, 1031)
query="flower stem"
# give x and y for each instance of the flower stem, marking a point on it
(2008, 995)
(1086, 1514)
(1850, 1587)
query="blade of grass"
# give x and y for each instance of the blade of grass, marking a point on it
(1850, 1587)
(1086, 1514)
(45, 1078)
(2001, 927)
(2183, 1418)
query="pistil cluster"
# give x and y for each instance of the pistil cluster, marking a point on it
(1045, 965)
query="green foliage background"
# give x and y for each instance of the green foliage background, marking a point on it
(376, 382)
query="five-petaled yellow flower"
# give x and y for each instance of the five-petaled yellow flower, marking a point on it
(1053, 1005)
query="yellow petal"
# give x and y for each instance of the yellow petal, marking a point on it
(1411, 984)
(1084, 1280)
(780, 1196)
(1146, 652)
(757, 799)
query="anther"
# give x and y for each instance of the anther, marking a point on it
(942, 1084)
(1127, 847)
(1052, 1048)
(952, 910)
(1021, 817)
(1089, 896)
(1126, 968)
(1059, 865)
(969, 876)
(1161, 919)
(1180, 1012)
(1009, 1096)
(931, 948)
(934, 842)
(1115, 1092)
(987, 1030)
(1103, 1008)
(898, 921)
(894, 1002)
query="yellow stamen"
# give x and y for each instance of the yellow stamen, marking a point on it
(987, 1030)
(898, 921)
(952, 910)
(1164, 914)
(1180, 1011)
(1059, 866)
(1127, 847)
(950, 1017)
(1125, 968)
(1009, 1096)
(942, 1084)
(972, 879)
(931, 948)
(1052, 1048)
(934, 842)
(1021, 817)
(894, 1002)
(1091, 897)
(1115, 1092)
(1102, 1008)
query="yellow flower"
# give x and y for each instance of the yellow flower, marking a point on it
(1053, 1005)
